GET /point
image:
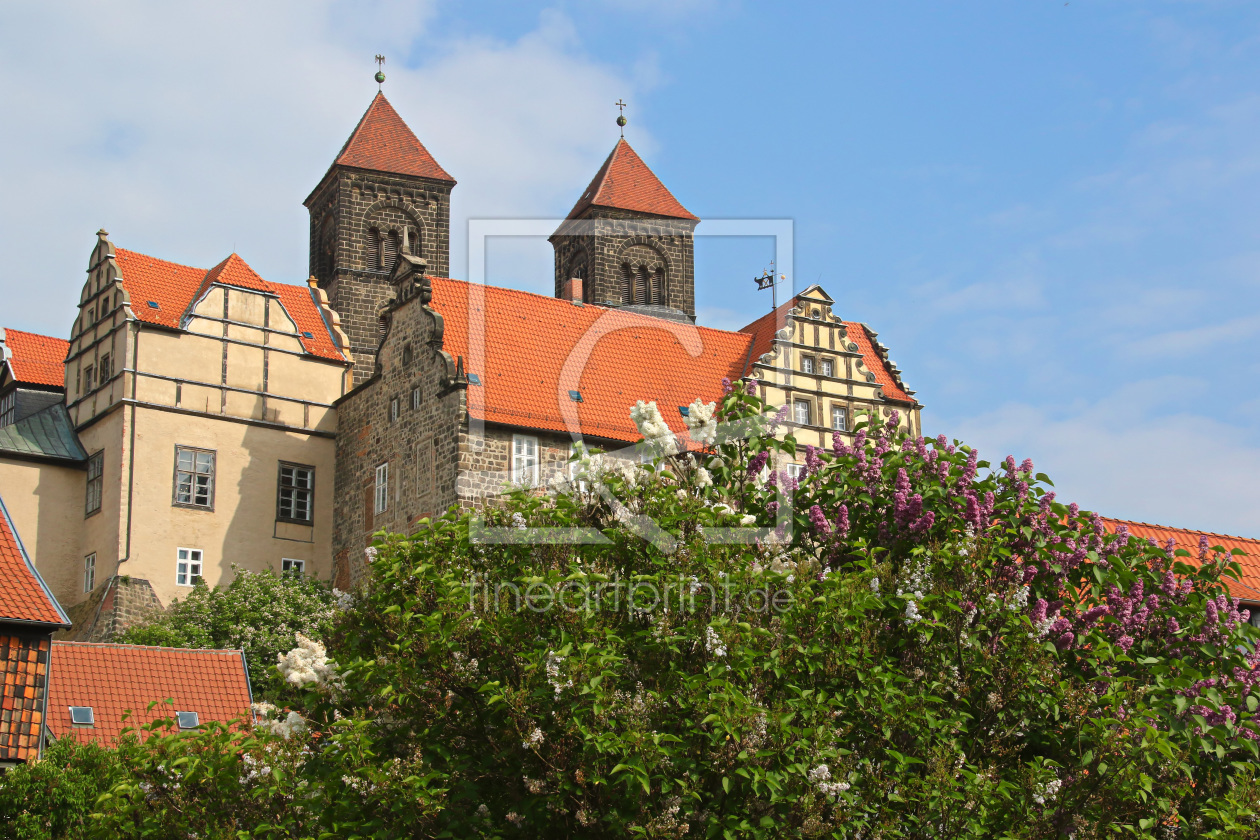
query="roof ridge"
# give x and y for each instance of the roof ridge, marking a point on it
(1179, 528)
(126, 646)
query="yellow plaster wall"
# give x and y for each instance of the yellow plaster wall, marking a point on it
(45, 502)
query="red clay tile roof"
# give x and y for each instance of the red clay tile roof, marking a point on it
(36, 359)
(174, 288)
(24, 597)
(382, 142)
(625, 182)
(528, 370)
(23, 692)
(113, 678)
(1247, 589)
(763, 329)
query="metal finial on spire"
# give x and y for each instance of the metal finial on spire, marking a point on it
(621, 118)
(380, 71)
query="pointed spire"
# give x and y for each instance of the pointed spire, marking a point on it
(382, 142)
(625, 182)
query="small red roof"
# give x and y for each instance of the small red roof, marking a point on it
(528, 371)
(24, 597)
(36, 359)
(113, 678)
(1247, 589)
(763, 329)
(175, 288)
(382, 142)
(625, 182)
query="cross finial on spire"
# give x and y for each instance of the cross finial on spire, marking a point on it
(621, 118)
(380, 70)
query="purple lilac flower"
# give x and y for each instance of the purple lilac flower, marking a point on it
(819, 520)
(757, 464)
(842, 521)
(726, 385)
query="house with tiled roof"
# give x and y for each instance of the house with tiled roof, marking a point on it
(29, 615)
(93, 685)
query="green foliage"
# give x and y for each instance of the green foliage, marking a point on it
(258, 612)
(53, 799)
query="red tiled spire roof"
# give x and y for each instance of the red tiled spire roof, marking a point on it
(382, 142)
(625, 182)
(763, 329)
(113, 678)
(36, 359)
(527, 372)
(1247, 589)
(174, 288)
(24, 597)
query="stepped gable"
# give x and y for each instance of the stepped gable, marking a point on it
(763, 329)
(382, 142)
(175, 288)
(114, 678)
(34, 359)
(1248, 589)
(625, 182)
(636, 357)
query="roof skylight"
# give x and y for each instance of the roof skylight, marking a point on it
(82, 716)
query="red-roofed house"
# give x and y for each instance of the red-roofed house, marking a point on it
(32, 373)
(29, 614)
(92, 685)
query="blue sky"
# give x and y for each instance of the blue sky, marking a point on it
(1049, 211)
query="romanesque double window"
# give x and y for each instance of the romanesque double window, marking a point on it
(642, 285)
(383, 250)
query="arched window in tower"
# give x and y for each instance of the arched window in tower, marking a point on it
(374, 249)
(389, 251)
(641, 286)
(326, 249)
(658, 287)
(627, 283)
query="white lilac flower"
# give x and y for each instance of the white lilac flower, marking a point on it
(647, 417)
(534, 740)
(554, 661)
(875, 585)
(370, 553)
(820, 778)
(1019, 601)
(700, 421)
(713, 642)
(463, 666)
(1047, 792)
(703, 477)
(518, 521)
(343, 600)
(307, 663)
(748, 519)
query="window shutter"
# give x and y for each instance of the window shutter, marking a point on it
(374, 249)
(389, 251)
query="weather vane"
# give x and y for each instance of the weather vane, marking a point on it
(621, 118)
(768, 280)
(380, 71)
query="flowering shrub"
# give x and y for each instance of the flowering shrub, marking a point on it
(896, 642)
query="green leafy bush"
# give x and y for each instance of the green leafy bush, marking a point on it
(54, 798)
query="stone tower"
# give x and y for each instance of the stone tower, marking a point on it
(628, 243)
(384, 195)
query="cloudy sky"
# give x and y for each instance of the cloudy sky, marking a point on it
(1049, 211)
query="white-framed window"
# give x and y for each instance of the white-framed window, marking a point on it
(194, 477)
(793, 470)
(800, 412)
(381, 494)
(187, 566)
(393, 410)
(89, 572)
(296, 499)
(297, 567)
(8, 408)
(415, 398)
(828, 367)
(525, 460)
(95, 483)
(839, 418)
(807, 364)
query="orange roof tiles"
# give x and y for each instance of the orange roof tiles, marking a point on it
(625, 182)
(113, 678)
(23, 692)
(36, 359)
(175, 288)
(1247, 589)
(382, 142)
(24, 597)
(527, 371)
(763, 329)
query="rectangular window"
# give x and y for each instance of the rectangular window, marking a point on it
(525, 460)
(296, 500)
(194, 477)
(8, 408)
(793, 470)
(807, 364)
(828, 367)
(103, 370)
(415, 398)
(297, 567)
(393, 410)
(839, 418)
(188, 567)
(95, 481)
(381, 495)
(87, 379)
(800, 412)
(89, 572)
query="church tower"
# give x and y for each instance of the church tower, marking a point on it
(628, 243)
(383, 196)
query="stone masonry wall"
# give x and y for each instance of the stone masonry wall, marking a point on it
(485, 462)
